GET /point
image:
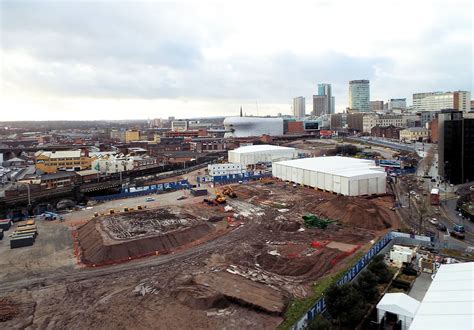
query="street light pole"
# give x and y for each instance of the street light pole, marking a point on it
(29, 194)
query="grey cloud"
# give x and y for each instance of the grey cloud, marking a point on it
(154, 50)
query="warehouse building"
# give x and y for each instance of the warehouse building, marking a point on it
(251, 155)
(341, 175)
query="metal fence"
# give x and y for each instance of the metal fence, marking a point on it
(394, 237)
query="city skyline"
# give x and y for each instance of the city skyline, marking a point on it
(159, 59)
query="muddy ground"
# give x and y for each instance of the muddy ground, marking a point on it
(210, 284)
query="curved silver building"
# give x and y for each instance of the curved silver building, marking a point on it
(252, 126)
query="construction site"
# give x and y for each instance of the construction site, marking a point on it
(235, 260)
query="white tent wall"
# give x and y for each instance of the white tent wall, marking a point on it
(250, 155)
(341, 175)
(320, 184)
(363, 186)
(381, 185)
(373, 186)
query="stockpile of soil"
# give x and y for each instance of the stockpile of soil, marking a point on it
(314, 266)
(200, 297)
(245, 292)
(94, 250)
(357, 212)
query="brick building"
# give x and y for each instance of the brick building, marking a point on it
(388, 132)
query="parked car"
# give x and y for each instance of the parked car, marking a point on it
(456, 234)
(441, 227)
(459, 228)
(181, 198)
(150, 199)
(433, 221)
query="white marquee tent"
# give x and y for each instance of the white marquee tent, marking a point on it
(342, 175)
(402, 305)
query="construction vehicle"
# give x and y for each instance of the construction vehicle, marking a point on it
(228, 191)
(310, 220)
(220, 199)
(111, 211)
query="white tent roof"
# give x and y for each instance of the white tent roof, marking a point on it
(399, 303)
(449, 301)
(337, 165)
(261, 148)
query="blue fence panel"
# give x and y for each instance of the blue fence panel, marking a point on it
(145, 190)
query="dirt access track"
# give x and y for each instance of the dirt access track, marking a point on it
(244, 277)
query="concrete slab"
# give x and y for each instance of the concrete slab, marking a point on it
(421, 285)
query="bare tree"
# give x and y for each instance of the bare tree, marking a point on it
(428, 160)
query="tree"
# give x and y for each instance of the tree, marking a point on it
(380, 269)
(345, 304)
(347, 149)
(319, 323)
(367, 285)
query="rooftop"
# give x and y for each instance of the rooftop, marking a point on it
(58, 175)
(449, 302)
(342, 166)
(261, 148)
(59, 154)
(87, 172)
(416, 129)
(399, 303)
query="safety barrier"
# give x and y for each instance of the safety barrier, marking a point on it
(145, 190)
(320, 305)
(232, 178)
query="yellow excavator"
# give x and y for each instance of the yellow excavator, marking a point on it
(228, 191)
(220, 199)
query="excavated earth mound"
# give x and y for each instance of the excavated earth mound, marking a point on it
(357, 212)
(312, 266)
(200, 297)
(97, 250)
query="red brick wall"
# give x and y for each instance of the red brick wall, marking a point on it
(295, 127)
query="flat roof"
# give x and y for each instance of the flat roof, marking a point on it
(87, 172)
(261, 148)
(60, 154)
(449, 301)
(337, 165)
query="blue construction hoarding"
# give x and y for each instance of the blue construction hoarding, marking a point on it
(232, 178)
(145, 190)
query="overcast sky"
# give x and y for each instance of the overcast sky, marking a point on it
(124, 60)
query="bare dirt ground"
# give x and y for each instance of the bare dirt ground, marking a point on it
(242, 278)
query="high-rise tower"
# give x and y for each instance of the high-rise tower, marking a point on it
(359, 95)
